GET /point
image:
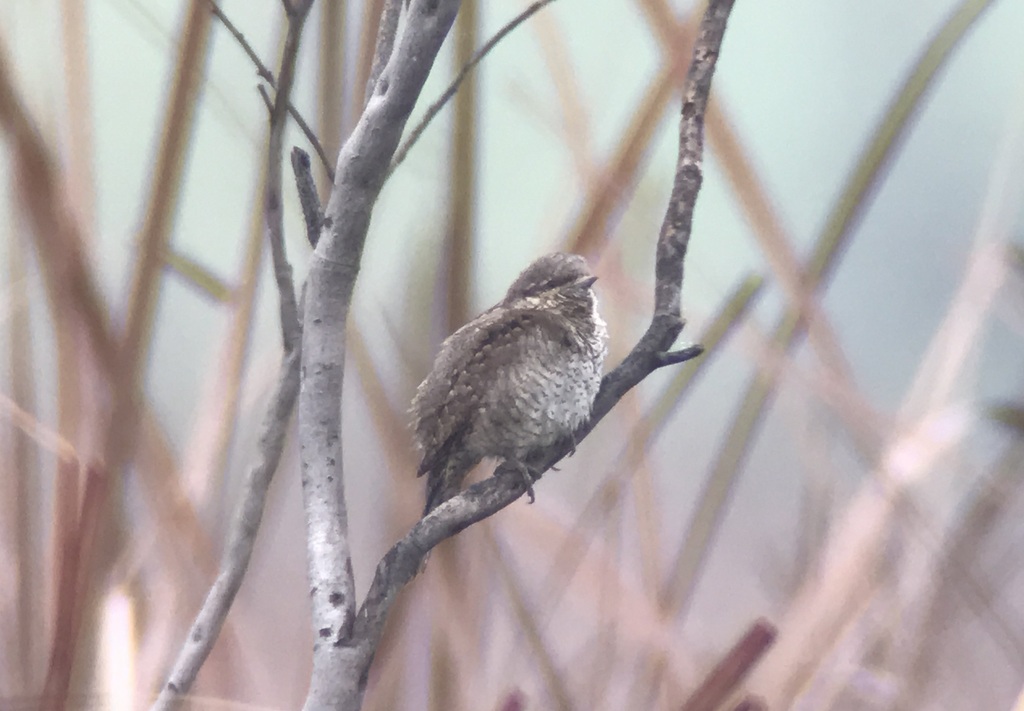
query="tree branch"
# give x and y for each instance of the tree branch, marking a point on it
(347, 641)
(340, 662)
(291, 331)
(435, 108)
(241, 540)
(261, 69)
(485, 498)
(312, 213)
(242, 536)
(268, 76)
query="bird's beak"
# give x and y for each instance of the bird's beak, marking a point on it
(587, 283)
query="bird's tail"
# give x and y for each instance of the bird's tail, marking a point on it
(445, 481)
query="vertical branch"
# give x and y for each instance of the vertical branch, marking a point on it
(242, 535)
(312, 214)
(678, 222)
(340, 665)
(272, 205)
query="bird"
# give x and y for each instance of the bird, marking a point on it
(518, 378)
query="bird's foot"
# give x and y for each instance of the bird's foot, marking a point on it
(571, 439)
(528, 477)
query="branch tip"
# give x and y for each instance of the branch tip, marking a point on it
(309, 200)
(675, 357)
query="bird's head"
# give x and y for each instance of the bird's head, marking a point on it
(555, 273)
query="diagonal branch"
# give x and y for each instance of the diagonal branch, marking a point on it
(485, 498)
(242, 537)
(241, 540)
(268, 76)
(478, 56)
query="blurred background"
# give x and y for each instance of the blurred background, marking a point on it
(845, 461)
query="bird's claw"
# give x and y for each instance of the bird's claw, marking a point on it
(527, 476)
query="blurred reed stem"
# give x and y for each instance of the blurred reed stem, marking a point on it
(828, 248)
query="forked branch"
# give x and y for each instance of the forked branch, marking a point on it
(485, 498)
(242, 535)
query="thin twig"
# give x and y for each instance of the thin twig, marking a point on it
(310, 135)
(208, 622)
(290, 328)
(261, 68)
(242, 536)
(268, 103)
(436, 107)
(266, 75)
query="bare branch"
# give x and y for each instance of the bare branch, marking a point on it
(311, 136)
(241, 539)
(676, 357)
(435, 108)
(242, 536)
(341, 662)
(272, 200)
(346, 642)
(268, 103)
(308, 198)
(675, 228)
(266, 75)
(261, 69)
(487, 497)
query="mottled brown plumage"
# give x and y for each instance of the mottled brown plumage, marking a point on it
(519, 377)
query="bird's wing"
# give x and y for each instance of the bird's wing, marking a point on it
(472, 356)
